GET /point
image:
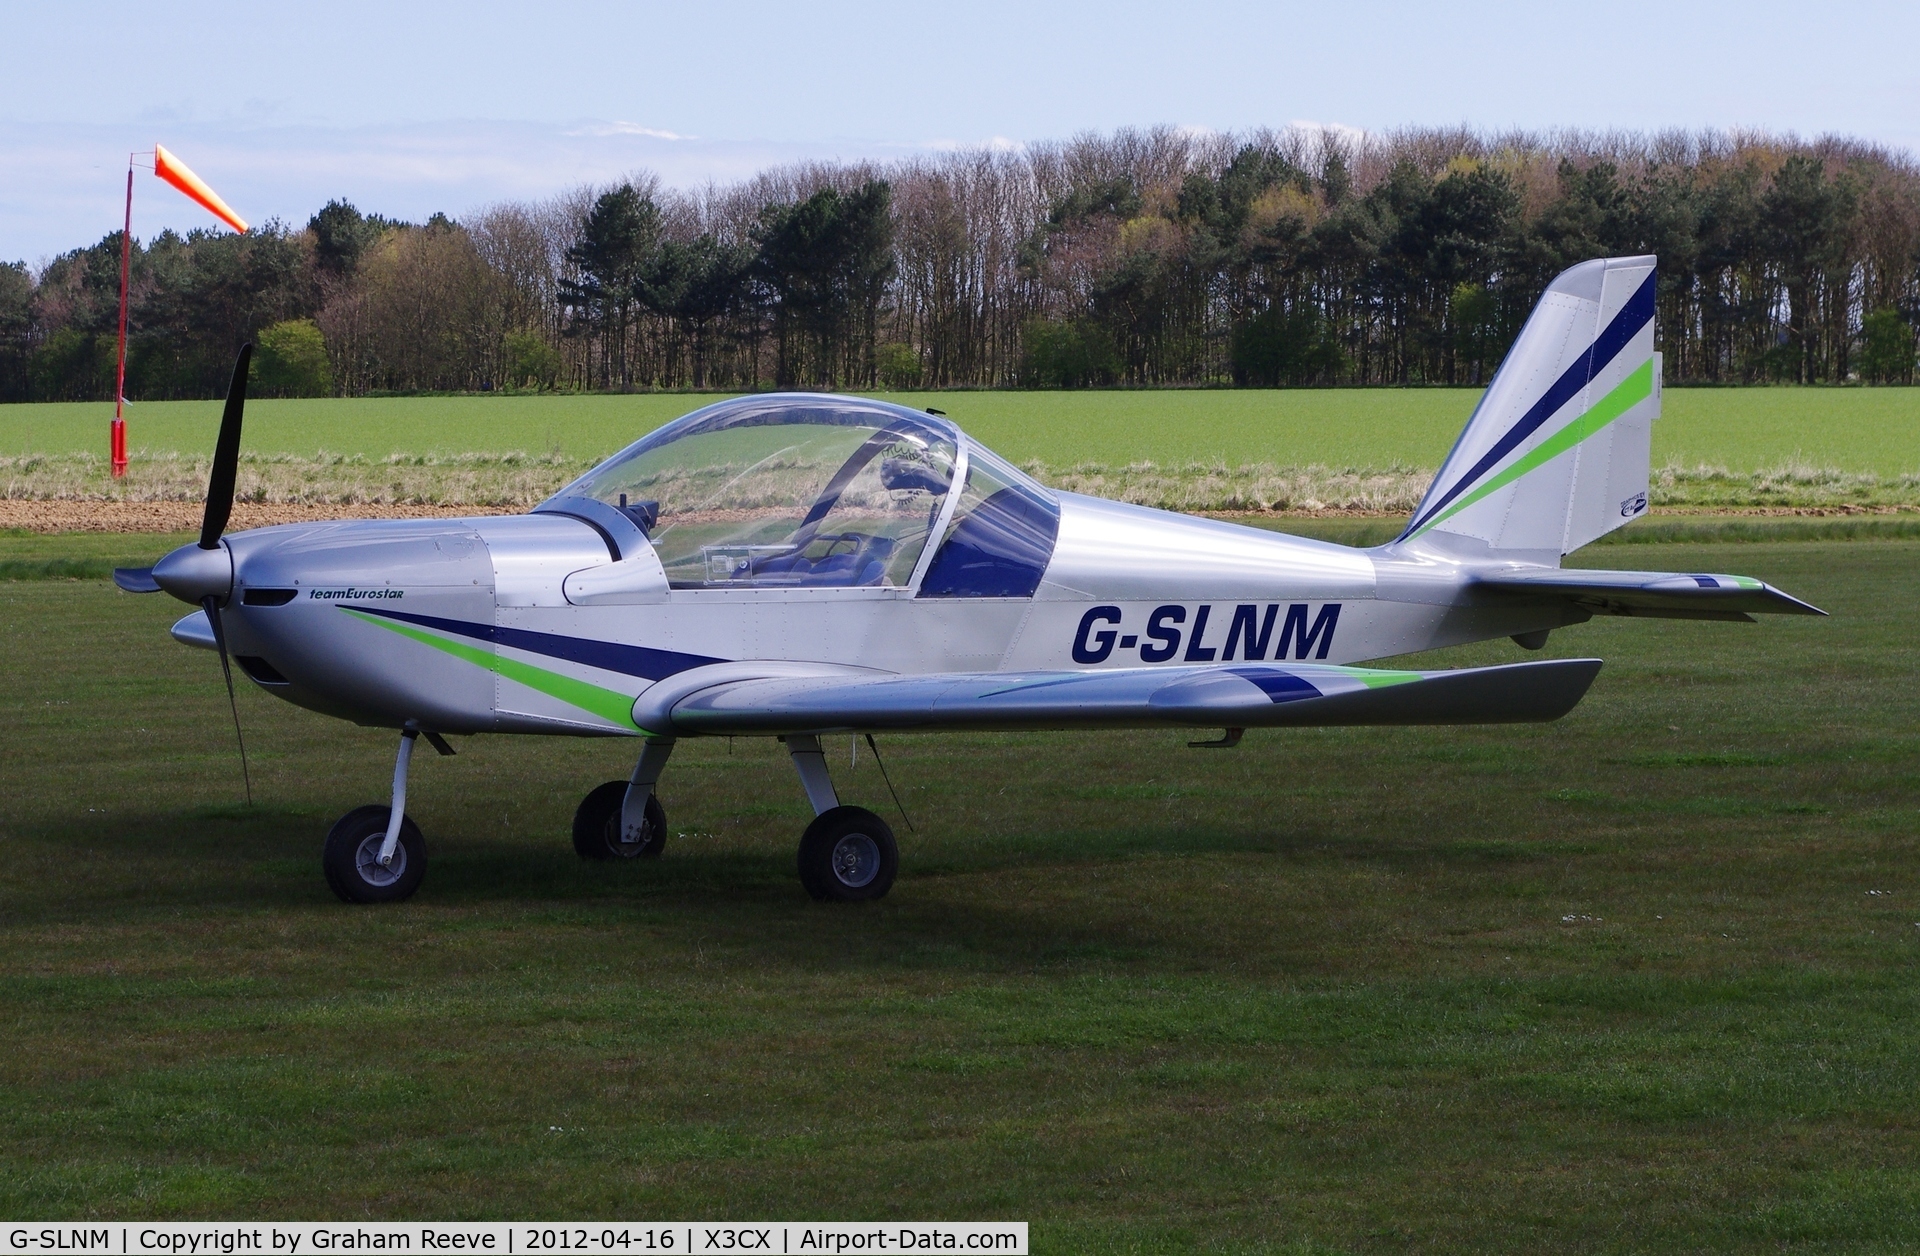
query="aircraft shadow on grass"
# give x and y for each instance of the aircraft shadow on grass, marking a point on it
(798, 565)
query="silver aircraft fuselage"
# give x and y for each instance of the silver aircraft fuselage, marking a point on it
(340, 614)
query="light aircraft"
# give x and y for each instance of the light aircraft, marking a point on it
(794, 565)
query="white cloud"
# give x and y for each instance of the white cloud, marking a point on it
(630, 128)
(1353, 135)
(996, 144)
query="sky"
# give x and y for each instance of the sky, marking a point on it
(410, 108)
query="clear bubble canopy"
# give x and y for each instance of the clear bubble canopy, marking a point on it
(818, 491)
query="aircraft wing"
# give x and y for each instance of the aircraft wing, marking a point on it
(1251, 696)
(1659, 594)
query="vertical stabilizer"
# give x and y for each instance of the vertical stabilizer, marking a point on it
(1559, 450)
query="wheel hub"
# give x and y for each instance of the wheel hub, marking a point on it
(856, 860)
(366, 861)
(625, 844)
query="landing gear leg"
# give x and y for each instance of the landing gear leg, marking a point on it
(811, 763)
(624, 819)
(398, 811)
(376, 854)
(847, 854)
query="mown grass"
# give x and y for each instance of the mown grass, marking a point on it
(1745, 429)
(1639, 980)
(28, 555)
(80, 555)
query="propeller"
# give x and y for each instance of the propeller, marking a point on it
(226, 467)
(211, 605)
(191, 572)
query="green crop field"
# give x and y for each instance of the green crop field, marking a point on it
(1744, 429)
(1643, 979)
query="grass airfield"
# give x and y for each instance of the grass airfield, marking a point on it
(1849, 429)
(1639, 980)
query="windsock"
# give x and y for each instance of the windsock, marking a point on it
(174, 171)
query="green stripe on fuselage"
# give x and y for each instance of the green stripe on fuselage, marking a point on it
(609, 704)
(1628, 393)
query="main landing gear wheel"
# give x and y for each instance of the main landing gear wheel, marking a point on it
(848, 855)
(596, 826)
(351, 858)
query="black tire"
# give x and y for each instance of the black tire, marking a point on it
(848, 855)
(352, 851)
(596, 826)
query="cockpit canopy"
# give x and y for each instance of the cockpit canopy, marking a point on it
(815, 491)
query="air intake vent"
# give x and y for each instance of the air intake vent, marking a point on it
(262, 671)
(267, 597)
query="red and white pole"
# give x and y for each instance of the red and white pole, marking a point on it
(117, 444)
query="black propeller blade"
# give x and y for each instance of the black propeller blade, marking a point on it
(212, 607)
(226, 456)
(136, 579)
(226, 466)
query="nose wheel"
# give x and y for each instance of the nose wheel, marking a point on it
(351, 858)
(376, 854)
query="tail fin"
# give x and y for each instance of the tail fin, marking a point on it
(1559, 450)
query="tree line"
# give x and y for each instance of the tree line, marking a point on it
(1156, 257)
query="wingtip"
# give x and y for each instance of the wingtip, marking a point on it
(1794, 605)
(1581, 673)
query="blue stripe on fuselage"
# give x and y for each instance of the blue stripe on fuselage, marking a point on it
(629, 660)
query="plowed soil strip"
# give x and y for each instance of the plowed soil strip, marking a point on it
(84, 516)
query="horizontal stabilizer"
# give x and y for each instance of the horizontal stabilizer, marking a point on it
(1250, 696)
(136, 579)
(1657, 594)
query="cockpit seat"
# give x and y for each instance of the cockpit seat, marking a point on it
(862, 566)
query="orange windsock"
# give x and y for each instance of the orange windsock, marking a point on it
(174, 171)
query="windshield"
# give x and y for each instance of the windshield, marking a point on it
(784, 490)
